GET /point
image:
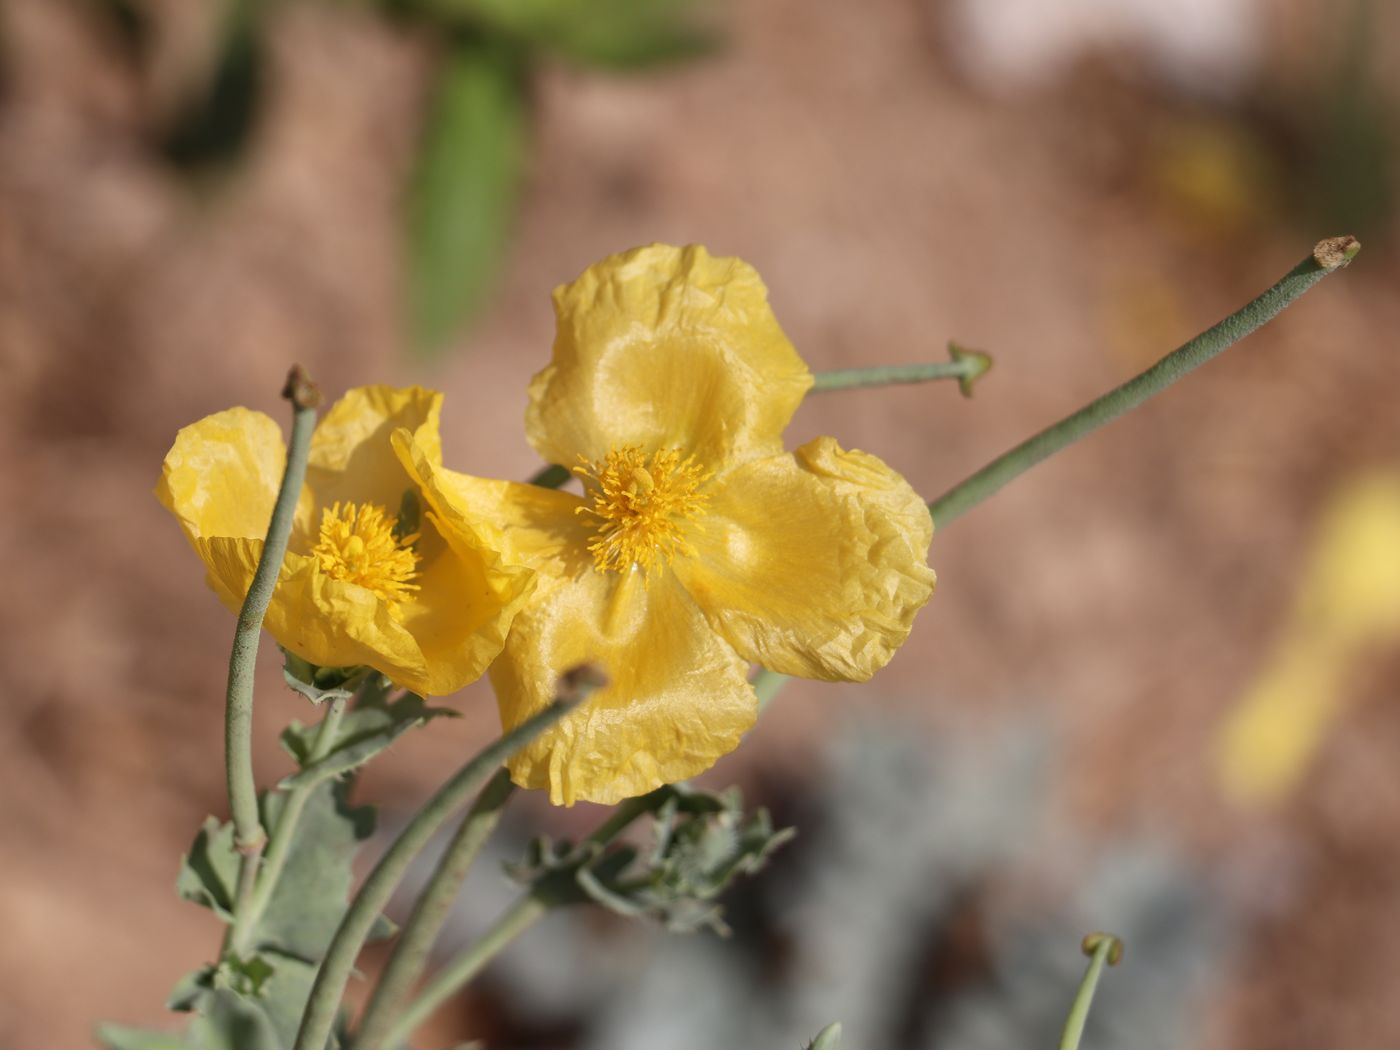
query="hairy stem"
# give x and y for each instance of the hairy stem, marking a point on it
(430, 912)
(1329, 256)
(249, 836)
(354, 928)
(523, 914)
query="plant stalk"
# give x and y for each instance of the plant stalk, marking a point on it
(430, 912)
(1327, 257)
(523, 914)
(1102, 949)
(379, 886)
(249, 836)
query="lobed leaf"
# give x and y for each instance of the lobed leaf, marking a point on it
(209, 872)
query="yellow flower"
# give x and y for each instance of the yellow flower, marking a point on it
(377, 573)
(699, 546)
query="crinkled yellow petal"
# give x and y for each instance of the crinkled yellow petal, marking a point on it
(221, 476)
(529, 525)
(352, 458)
(469, 594)
(813, 563)
(678, 696)
(666, 347)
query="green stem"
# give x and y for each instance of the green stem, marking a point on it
(380, 884)
(249, 836)
(768, 684)
(966, 367)
(1327, 257)
(1102, 949)
(281, 837)
(430, 912)
(523, 914)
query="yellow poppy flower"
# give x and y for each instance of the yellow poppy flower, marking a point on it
(699, 545)
(376, 573)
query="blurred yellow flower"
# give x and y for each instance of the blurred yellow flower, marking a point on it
(377, 573)
(699, 545)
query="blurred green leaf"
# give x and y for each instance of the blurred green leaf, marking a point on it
(464, 190)
(120, 1037)
(704, 842)
(829, 1038)
(213, 125)
(616, 34)
(209, 872)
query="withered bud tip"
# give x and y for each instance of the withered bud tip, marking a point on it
(300, 390)
(1336, 251)
(578, 682)
(1092, 941)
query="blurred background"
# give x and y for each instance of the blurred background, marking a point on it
(1156, 690)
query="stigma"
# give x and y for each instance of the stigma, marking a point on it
(359, 544)
(644, 505)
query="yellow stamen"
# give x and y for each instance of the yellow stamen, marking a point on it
(644, 504)
(357, 544)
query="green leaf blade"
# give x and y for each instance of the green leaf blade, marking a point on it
(465, 187)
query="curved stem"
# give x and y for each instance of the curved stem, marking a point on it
(1327, 257)
(249, 836)
(354, 928)
(430, 912)
(1102, 949)
(523, 914)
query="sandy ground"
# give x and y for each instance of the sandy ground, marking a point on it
(1124, 593)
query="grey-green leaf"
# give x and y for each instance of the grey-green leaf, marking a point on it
(229, 1021)
(314, 887)
(464, 190)
(363, 733)
(209, 872)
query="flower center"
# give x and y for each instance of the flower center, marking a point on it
(642, 503)
(359, 544)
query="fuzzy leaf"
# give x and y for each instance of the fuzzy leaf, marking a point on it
(229, 1021)
(464, 189)
(363, 733)
(319, 684)
(284, 993)
(215, 122)
(209, 872)
(314, 887)
(191, 988)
